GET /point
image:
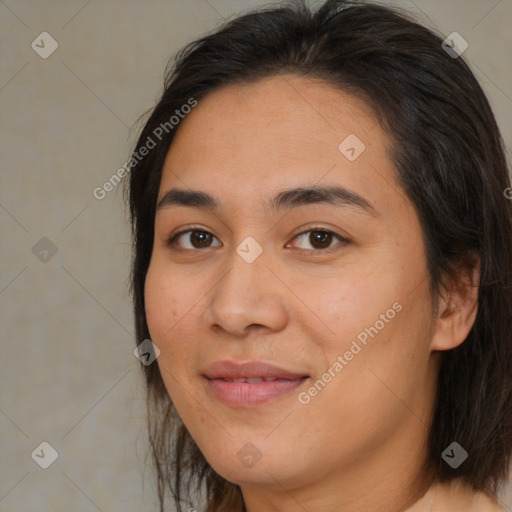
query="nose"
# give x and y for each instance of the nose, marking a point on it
(247, 298)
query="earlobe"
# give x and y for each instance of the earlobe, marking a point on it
(457, 308)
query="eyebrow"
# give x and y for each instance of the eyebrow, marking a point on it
(285, 199)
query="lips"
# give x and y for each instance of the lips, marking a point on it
(250, 384)
(250, 370)
(251, 380)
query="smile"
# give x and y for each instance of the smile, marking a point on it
(251, 391)
(249, 384)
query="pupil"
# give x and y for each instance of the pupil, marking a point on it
(320, 237)
(202, 238)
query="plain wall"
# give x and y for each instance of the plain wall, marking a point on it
(69, 376)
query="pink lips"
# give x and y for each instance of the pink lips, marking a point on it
(249, 384)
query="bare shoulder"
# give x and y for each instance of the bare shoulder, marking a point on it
(455, 496)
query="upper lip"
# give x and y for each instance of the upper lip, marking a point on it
(251, 369)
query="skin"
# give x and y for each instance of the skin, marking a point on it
(360, 443)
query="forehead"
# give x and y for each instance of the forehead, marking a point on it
(252, 139)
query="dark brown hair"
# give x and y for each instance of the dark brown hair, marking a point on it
(450, 161)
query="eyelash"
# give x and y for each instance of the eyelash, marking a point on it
(316, 229)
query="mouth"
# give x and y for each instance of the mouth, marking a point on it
(250, 384)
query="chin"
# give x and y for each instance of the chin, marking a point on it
(252, 463)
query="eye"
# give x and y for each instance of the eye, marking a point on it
(319, 240)
(197, 239)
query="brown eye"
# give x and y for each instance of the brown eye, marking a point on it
(196, 239)
(200, 238)
(319, 240)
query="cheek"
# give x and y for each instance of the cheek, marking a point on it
(351, 302)
(372, 384)
(166, 314)
(383, 325)
(160, 307)
(163, 311)
(168, 301)
(173, 312)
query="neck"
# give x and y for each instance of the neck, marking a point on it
(389, 478)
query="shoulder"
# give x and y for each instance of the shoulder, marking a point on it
(454, 496)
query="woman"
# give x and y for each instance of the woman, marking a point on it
(323, 259)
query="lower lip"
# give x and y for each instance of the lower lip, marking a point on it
(246, 394)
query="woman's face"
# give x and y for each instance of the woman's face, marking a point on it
(295, 328)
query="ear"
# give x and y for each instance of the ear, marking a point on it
(458, 306)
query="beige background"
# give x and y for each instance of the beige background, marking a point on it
(68, 373)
